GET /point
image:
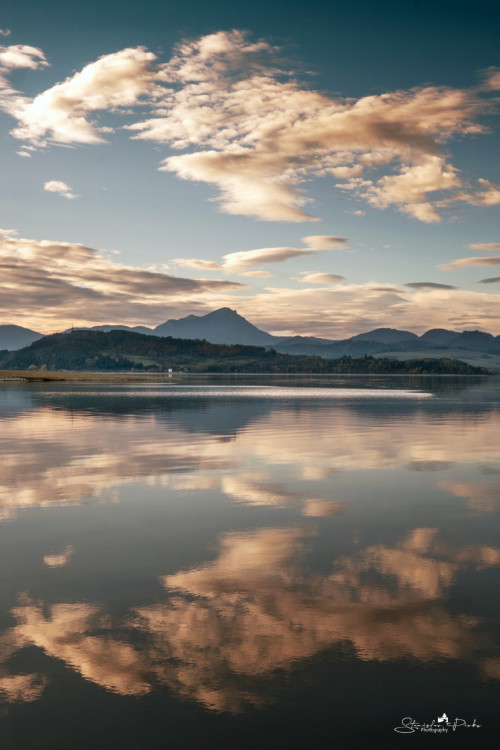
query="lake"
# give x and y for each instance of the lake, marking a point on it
(250, 562)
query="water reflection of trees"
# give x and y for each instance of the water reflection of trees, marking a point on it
(54, 455)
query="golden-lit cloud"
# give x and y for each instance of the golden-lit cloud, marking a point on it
(66, 281)
(350, 308)
(251, 130)
(61, 113)
(204, 265)
(412, 186)
(486, 260)
(246, 259)
(318, 278)
(240, 262)
(493, 247)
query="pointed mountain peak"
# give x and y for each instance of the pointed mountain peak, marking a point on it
(223, 312)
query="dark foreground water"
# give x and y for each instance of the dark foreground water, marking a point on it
(250, 563)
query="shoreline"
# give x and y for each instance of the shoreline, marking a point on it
(38, 376)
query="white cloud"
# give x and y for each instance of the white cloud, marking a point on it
(61, 188)
(21, 56)
(4, 32)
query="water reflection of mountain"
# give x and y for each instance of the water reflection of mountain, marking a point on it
(228, 415)
(73, 445)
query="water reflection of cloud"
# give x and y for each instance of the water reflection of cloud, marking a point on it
(52, 456)
(482, 497)
(230, 622)
(22, 688)
(58, 560)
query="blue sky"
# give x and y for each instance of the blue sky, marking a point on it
(302, 163)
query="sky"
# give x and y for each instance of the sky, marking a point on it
(323, 168)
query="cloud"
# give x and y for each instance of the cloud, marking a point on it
(488, 196)
(206, 265)
(485, 246)
(250, 184)
(412, 186)
(61, 188)
(59, 282)
(5, 32)
(319, 278)
(491, 280)
(428, 285)
(257, 274)
(21, 56)
(264, 134)
(466, 262)
(249, 128)
(243, 261)
(325, 242)
(348, 309)
(492, 79)
(60, 114)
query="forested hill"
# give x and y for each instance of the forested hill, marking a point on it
(125, 350)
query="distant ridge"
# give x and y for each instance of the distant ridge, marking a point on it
(226, 326)
(385, 336)
(16, 337)
(120, 351)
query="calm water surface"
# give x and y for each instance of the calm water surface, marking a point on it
(249, 563)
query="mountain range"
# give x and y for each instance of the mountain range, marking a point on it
(226, 326)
